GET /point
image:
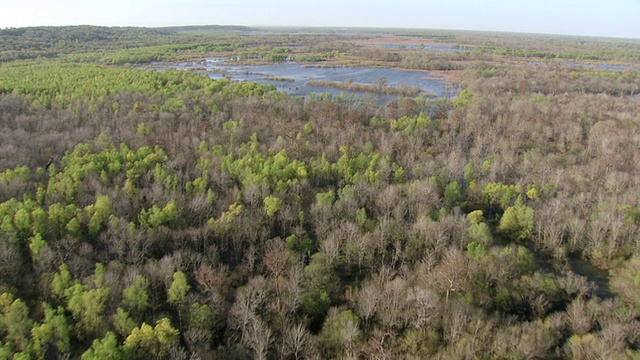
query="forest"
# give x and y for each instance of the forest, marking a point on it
(166, 215)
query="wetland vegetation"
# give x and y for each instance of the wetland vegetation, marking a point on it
(175, 214)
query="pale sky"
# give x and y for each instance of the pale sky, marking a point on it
(613, 18)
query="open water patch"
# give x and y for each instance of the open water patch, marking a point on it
(447, 48)
(293, 77)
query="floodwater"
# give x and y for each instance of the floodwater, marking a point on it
(292, 77)
(426, 47)
(598, 277)
(598, 65)
(601, 66)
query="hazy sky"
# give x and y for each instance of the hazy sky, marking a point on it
(617, 18)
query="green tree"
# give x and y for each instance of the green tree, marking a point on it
(135, 297)
(179, 288)
(86, 304)
(146, 340)
(15, 323)
(517, 221)
(453, 194)
(36, 245)
(321, 284)
(98, 214)
(106, 348)
(272, 204)
(340, 331)
(61, 282)
(478, 230)
(122, 322)
(54, 330)
(499, 194)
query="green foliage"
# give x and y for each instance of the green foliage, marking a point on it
(201, 317)
(156, 217)
(409, 125)
(146, 340)
(36, 245)
(361, 217)
(61, 282)
(278, 171)
(86, 306)
(475, 217)
(16, 324)
(325, 198)
(54, 330)
(420, 343)
(223, 224)
(463, 99)
(340, 331)
(272, 204)
(179, 288)
(351, 167)
(478, 230)
(302, 245)
(316, 302)
(517, 221)
(98, 214)
(499, 194)
(453, 194)
(476, 251)
(376, 122)
(469, 173)
(19, 173)
(122, 322)
(106, 348)
(532, 193)
(49, 83)
(144, 129)
(135, 297)
(320, 285)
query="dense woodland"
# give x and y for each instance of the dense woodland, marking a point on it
(166, 215)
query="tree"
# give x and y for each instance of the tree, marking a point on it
(179, 288)
(88, 304)
(54, 330)
(517, 221)
(478, 230)
(145, 340)
(626, 282)
(272, 204)
(15, 322)
(177, 293)
(452, 194)
(297, 341)
(106, 348)
(98, 214)
(122, 322)
(135, 297)
(340, 332)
